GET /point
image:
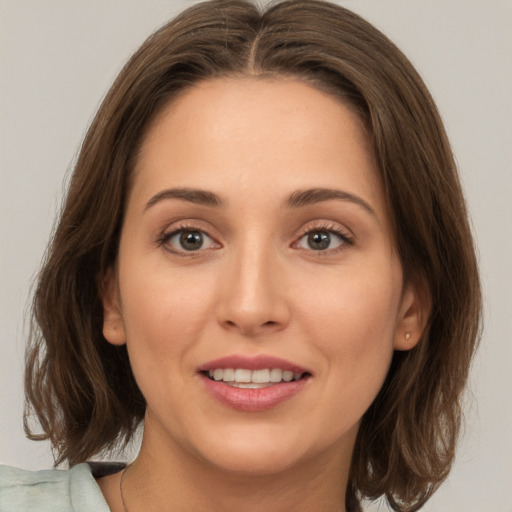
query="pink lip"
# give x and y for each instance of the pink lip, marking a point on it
(253, 400)
(259, 362)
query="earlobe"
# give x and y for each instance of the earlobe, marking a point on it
(413, 316)
(113, 325)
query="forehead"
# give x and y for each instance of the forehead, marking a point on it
(248, 132)
(209, 106)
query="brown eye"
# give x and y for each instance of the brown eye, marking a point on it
(189, 240)
(321, 240)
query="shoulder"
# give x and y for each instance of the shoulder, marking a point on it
(73, 490)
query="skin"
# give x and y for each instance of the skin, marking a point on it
(256, 286)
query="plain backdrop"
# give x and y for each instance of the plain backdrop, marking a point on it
(57, 59)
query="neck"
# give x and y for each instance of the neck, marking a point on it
(174, 479)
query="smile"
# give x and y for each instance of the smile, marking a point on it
(253, 383)
(253, 379)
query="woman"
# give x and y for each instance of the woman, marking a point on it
(265, 255)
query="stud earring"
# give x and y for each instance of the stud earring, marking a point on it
(407, 335)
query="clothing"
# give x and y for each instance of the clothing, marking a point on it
(73, 490)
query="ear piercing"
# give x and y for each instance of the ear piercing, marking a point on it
(407, 335)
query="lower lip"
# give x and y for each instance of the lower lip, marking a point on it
(253, 400)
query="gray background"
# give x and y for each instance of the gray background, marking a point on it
(57, 59)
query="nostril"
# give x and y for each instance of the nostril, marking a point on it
(244, 326)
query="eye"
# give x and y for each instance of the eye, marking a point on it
(188, 240)
(322, 240)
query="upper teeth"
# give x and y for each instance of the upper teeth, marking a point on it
(242, 375)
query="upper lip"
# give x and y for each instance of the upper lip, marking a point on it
(258, 362)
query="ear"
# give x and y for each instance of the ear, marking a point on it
(413, 316)
(113, 325)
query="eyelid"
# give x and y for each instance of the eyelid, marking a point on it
(328, 226)
(196, 225)
(176, 228)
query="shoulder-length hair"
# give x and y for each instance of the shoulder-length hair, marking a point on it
(81, 388)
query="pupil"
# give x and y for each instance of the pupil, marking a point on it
(319, 240)
(191, 240)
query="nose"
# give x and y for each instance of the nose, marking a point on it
(253, 298)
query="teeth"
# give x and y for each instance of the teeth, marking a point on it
(287, 376)
(276, 375)
(228, 374)
(242, 375)
(249, 385)
(260, 376)
(243, 378)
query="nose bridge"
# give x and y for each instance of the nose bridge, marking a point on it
(253, 297)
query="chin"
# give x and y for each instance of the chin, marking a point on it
(256, 461)
(264, 452)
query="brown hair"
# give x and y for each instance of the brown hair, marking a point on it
(81, 388)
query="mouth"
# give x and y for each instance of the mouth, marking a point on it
(253, 379)
(253, 383)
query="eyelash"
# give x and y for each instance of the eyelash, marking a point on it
(347, 240)
(163, 240)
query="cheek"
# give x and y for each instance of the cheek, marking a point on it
(164, 313)
(355, 305)
(164, 316)
(353, 324)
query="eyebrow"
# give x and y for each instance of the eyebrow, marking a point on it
(191, 195)
(297, 199)
(311, 196)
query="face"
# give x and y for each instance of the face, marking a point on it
(257, 248)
